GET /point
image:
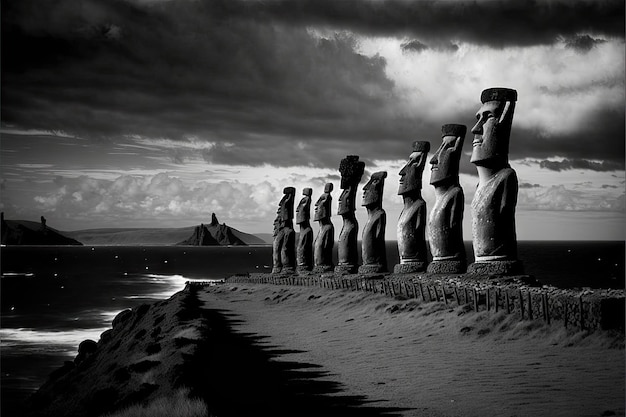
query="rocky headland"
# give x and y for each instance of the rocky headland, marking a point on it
(214, 234)
(22, 232)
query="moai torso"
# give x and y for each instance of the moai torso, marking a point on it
(493, 217)
(412, 232)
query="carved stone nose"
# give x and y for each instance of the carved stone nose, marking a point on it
(478, 128)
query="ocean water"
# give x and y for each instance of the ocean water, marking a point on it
(52, 298)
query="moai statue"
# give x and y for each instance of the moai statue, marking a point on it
(285, 240)
(325, 240)
(493, 206)
(373, 248)
(304, 249)
(277, 264)
(445, 223)
(351, 170)
(412, 221)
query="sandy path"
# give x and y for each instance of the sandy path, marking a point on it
(434, 360)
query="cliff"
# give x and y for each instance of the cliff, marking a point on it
(214, 234)
(22, 232)
(145, 357)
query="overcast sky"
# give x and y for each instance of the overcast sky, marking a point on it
(146, 113)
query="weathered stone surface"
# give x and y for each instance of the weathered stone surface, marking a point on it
(447, 267)
(496, 267)
(411, 231)
(409, 267)
(304, 248)
(493, 206)
(284, 245)
(373, 242)
(325, 239)
(351, 170)
(446, 217)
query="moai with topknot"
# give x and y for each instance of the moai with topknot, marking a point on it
(493, 206)
(351, 170)
(445, 224)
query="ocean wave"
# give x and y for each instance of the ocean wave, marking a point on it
(17, 274)
(52, 341)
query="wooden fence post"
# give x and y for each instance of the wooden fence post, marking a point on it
(422, 292)
(507, 302)
(456, 295)
(530, 306)
(443, 293)
(580, 306)
(487, 297)
(521, 303)
(496, 294)
(475, 294)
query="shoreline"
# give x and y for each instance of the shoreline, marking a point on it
(287, 324)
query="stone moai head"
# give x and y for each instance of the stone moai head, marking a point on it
(373, 190)
(411, 173)
(323, 205)
(303, 212)
(492, 131)
(351, 170)
(285, 207)
(445, 161)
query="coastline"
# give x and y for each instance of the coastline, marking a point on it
(340, 352)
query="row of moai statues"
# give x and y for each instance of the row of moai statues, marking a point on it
(493, 208)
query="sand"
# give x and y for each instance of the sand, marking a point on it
(400, 357)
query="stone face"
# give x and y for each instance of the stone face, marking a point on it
(446, 217)
(411, 231)
(351, 170)
(304, 248)
(373, 242)
(284, 245)
(325, 239)
(493, 206)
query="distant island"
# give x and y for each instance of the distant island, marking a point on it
(162, 236)
(23, 232)
(216, 234)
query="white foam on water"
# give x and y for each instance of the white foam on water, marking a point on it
(61, 341)
(174, 284)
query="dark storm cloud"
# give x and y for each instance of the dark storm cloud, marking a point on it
(494, 23)
(567, 164)
(528, 185)
(249, 77)
(183, 69)
(583, 43)
(417, 46)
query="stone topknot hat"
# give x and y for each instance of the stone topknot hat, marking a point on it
(498, 94)
(453, 130)
(421, 146)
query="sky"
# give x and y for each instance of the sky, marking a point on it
(157, 113)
